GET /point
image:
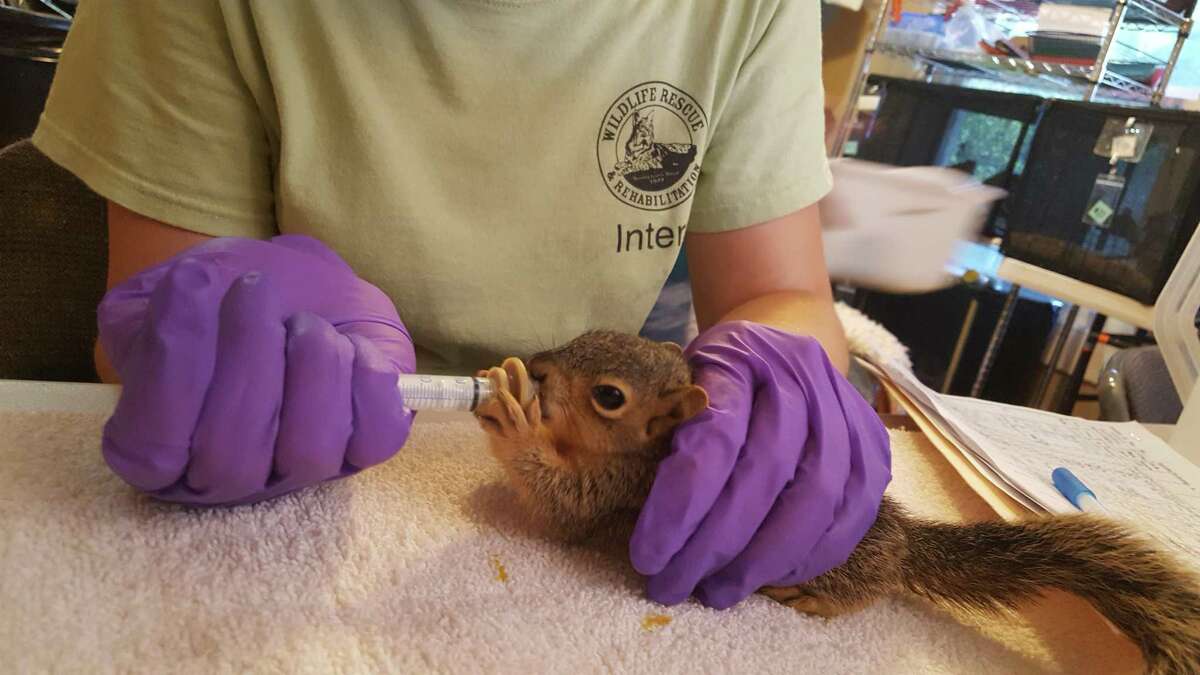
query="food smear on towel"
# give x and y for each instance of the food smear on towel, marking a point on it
(653, 622)
(501, 573)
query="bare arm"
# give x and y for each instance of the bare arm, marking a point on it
(772, 273)
(136, 242)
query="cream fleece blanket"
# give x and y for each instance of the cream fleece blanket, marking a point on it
(425, 564)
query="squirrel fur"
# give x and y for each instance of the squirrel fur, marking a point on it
(583, 451)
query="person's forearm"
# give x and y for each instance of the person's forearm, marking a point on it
(799, 312)
(104, 369)
(136, 242)
(772, 273)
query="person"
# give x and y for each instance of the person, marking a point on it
(308, 198)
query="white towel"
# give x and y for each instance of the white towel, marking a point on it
(869, 339)
(421, 565)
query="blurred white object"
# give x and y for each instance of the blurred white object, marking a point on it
(1175, 332)
(896, 228)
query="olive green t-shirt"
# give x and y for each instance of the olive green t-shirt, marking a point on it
(510, 172)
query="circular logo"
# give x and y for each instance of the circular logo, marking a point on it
(648, 144)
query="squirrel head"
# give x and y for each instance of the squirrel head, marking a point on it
(606, 392)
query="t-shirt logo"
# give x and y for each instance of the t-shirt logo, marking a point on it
(648, 143)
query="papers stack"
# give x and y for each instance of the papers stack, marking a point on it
(1006, 454)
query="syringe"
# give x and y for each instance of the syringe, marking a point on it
(445, 392)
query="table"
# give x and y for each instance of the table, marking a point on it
(422, 564)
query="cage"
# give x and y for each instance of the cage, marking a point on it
(1119, 225)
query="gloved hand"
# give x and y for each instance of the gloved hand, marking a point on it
(774, 484)
(250, 369)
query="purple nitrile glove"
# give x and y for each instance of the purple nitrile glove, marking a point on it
(774, 484)
(250, 369)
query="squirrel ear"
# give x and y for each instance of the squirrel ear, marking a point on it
(677, 406)
(691, 400)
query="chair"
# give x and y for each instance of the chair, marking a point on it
(53, 261)
(1135, 385)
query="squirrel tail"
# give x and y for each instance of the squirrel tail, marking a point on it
(994, 565)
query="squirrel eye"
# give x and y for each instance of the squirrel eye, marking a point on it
(608, 396)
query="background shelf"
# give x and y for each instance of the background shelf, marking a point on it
(1135, 54)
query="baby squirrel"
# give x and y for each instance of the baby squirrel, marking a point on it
(584, 450)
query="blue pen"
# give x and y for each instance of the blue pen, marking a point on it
(1075, 491)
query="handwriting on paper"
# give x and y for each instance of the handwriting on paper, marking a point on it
(1136, 475)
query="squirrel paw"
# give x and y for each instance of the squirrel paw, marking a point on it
(514, 412)
(807, 603)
